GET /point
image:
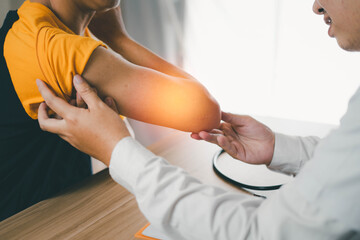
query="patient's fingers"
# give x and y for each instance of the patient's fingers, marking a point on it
(58, 105)
(49, 124)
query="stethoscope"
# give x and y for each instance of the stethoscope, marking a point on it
(237, 183)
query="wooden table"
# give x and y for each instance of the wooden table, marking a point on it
(99, 208)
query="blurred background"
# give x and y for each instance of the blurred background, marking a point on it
(264, 58)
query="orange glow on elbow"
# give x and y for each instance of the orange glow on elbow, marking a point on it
(190, 110)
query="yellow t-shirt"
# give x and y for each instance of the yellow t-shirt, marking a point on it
(40, 46)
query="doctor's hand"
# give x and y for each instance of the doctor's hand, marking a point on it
(243, 138)
(95, 130)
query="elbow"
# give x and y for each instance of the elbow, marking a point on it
(203, 112)
(186, 106)
(215, 116)
(209, 117)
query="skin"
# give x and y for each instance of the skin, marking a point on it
(78, 14)
(70, 123)
(345, 21)
(144, 86)
(241, 136)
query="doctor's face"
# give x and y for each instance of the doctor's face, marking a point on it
(343, 18)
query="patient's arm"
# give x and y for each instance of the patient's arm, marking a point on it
(109, 27)
(145, 86)
(147, 95)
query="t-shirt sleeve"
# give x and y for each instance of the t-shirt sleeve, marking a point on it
(61, 56)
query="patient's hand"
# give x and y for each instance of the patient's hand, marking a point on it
(243, 138)
(95, 130)
(108, 26)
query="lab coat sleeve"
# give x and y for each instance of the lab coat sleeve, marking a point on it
(175, 202)
(292, 152)
(183, 208)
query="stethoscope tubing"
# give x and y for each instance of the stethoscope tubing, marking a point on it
(236, 183)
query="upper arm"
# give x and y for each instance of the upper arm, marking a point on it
(150, 96)
(49, 54)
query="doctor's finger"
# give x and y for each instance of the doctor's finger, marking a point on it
(58, 105)
(209, 137)
(79, 101)
(225, 144)
(86, 92)
(49, 124)
(237, 120)
(216, 131)
(195, 136)
(230, 132)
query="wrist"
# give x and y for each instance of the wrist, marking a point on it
(116, 42)
(271, 149)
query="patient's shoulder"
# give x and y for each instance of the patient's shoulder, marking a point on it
(48, 52)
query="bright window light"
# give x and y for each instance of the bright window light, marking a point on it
(269, 58)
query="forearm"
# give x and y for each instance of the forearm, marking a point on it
(139, 55)
(168, 101)
(145, 86)
(292, 152)
(110, 28)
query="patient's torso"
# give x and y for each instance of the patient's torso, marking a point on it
(34, 165)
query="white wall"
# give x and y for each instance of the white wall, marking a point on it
(269, 58)
(150, 23)
(6, 5)
(4, 8)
